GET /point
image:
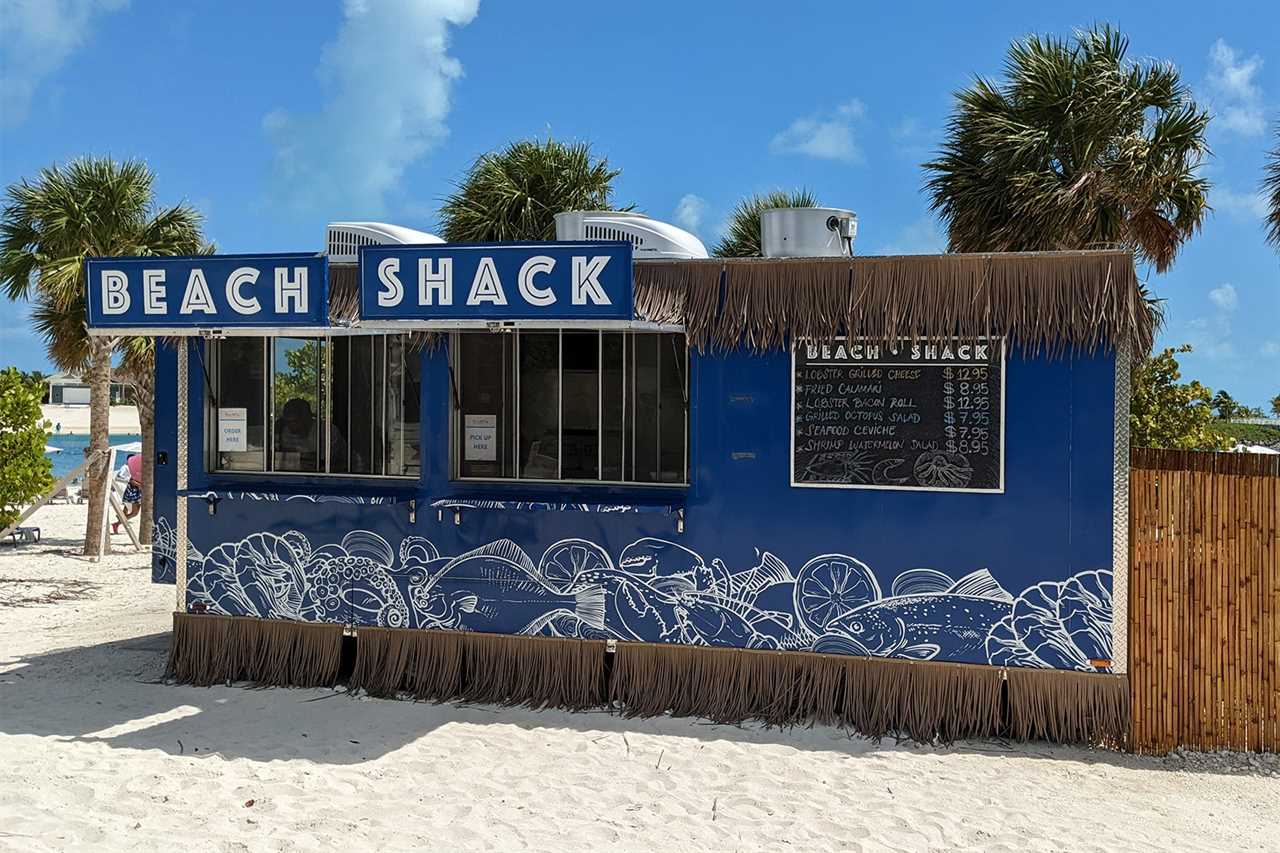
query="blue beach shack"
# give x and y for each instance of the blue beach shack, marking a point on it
(885, 492)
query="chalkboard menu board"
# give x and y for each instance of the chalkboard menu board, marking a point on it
(870, 415)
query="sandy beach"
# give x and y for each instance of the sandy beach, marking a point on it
(74, 420)
(97, 754)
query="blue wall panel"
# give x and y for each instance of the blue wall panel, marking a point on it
(1016, 578)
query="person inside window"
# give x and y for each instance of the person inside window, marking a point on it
(296, 440)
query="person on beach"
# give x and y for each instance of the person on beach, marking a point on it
(130, 476)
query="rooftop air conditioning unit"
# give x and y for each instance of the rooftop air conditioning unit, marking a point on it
(649, 238)
(807, 232)
(344, 239)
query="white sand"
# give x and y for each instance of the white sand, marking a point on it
(74, 420)
(95, 755)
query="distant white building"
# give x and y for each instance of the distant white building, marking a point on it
(68, 389)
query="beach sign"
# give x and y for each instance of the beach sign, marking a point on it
(207, 292)
(490, 281)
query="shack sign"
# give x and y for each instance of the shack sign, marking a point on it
(187, 293)
(497, 281)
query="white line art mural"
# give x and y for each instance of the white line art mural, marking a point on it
(657, 591)
(164, 547)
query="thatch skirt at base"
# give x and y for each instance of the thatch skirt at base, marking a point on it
(926, 701)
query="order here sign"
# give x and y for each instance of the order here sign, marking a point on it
(497, 281)
(208, 291)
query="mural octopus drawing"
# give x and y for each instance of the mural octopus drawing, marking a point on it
(658, 591)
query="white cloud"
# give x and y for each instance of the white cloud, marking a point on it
(39, 36)
(1211, 333)
(1245, 205)
(1271, 348)
(1237, 98)
(827, 136)
(1224, 296)
(912, 140)
(387, 77)
(922, 237)
(689, 212)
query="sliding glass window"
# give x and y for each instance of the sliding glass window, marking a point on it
(342, 405)
(572, 406)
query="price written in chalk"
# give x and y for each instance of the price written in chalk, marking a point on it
(906, 416)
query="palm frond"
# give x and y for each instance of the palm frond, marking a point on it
(1271, 189)
(90, 207)
(515, 193)
(1077, 146)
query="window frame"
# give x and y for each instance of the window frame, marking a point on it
(628, 406)
(213, 367)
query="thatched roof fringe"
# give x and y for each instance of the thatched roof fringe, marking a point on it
(344, 305)
(344, 294)
(1042, 302)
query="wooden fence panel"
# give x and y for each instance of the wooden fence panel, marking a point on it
(1204, 600)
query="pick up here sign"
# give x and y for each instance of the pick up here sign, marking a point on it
(497, 281)
(208, 291)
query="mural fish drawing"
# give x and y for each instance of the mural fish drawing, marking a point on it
(918, 626)
(497, 585)
(952, 623)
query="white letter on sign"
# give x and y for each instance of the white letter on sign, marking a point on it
(153, 292)
(435, 281)
(291, 290)
(389, 276)
(115, 292)
(197, 296)
(585, 284)
(239, 277)
(486, 287)
(534, 295)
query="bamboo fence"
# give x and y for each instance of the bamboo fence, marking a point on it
(1204, 614)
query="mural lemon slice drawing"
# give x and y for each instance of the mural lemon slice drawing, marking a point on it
(830, 585)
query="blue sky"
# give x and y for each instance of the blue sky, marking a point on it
(273, 118)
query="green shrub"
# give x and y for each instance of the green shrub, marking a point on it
(25, 472)
(1249, 433)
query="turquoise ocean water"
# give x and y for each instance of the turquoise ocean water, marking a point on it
(73, 447)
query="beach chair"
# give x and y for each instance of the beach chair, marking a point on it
(24, 535)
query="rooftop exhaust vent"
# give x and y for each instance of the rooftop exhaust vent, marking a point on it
(649, 238)
(344, 239)
(807, 232)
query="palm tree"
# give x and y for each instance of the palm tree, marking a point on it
(1078, 148)
(515, 193)
(742, 237)
(1271, 188)
(88, 207)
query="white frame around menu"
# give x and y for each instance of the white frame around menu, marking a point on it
(791, 427)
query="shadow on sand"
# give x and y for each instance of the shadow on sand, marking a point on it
(111, 693)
